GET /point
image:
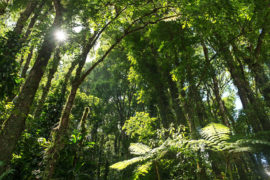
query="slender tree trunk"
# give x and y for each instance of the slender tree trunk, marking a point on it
(116, 147)
(195, 97)
(107, 169)
(262, 81)
(31, 25)
(12, 47)
(256, 64)
(200, 107)
(188, 112)
(33, 20)
(24, 16)
(157, 170)
(59, 136)
(255, 110)
(46, 89)
(15, 124)
(176, 103)
(59, 133)
(164, 107)
(83, 134)
(222, 109)
(65, 83)
(100, 157)
(27, 63)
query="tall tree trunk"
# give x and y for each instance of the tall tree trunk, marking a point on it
(256, 65)
(164, 107)
(180, 118)
(65, 83)
(24, 16)
(33, 20)
(255, 110)
(107, 169)
(83, 134)
(200, 107)
(15, 124)
(11, 48)
(195, 97)
(157, 170)
(257, 62)
(60, 132)
(31, 25)
(27, 63)
(188, 112)
(46, 89)
(59, 136)
(222, 109)
(99, 164)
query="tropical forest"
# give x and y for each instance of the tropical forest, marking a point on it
(135, 89)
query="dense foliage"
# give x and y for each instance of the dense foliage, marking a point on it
(121, 89)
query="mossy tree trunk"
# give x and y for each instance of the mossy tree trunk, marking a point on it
(15, 124)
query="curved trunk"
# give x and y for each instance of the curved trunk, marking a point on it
(60, 132)
(59, 136)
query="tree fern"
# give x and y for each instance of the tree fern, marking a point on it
(215, 137)
(142, 170)
(138, 148)
(123, 164)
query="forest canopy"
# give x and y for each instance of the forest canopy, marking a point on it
(122, 89)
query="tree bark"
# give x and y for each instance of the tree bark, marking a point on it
(188, 112)
(59, 134)
(15, 124)
(27, 63)
(222, 109)
(33, 20)
(24, 16)
(12, 46)
(255, 110)
(83, 134)
(180, 118)
(46, 89)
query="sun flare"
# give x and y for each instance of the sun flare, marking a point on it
(60, 35)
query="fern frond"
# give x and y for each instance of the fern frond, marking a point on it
(241, 149)
(123, 164)
(142, 170)
(138, 149)
(215, 132)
